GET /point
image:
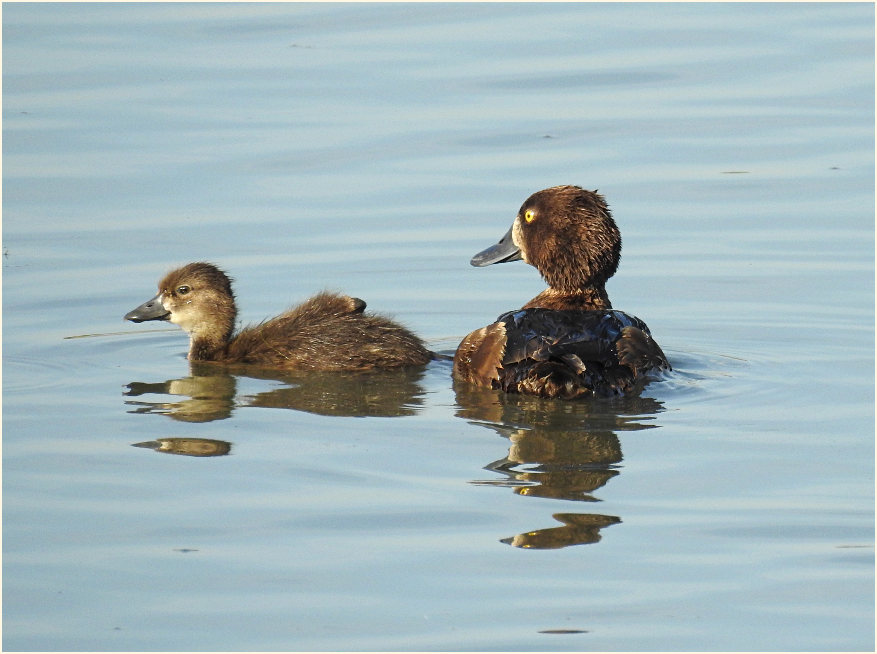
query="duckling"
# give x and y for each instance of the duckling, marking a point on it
(326, 332)
(567, 341)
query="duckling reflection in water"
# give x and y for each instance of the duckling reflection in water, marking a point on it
(326, 332)
(566, 342)
(188, 446)
(210, 392)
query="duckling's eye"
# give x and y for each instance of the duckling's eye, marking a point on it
(182, 290)
(529, 215)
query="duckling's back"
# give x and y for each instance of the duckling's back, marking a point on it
(328, 332)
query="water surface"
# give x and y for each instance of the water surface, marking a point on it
(374, 149)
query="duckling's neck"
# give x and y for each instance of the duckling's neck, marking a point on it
(209, 342)
(203, 349)
(592, 298)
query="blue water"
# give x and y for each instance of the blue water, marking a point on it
(374, 149)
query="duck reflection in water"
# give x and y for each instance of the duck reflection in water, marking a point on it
(578, 529)
(563, 451)
(212, 392)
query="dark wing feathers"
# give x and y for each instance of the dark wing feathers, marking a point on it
(560, 353)
(637, 350)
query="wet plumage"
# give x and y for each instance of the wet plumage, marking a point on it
(567, 341)
(326, 332)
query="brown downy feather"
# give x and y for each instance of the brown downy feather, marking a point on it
(328, 332)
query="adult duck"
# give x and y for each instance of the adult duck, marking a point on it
(568, 341)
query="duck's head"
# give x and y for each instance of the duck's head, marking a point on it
(197, 297)
(567, 233)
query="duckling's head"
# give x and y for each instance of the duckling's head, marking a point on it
(567, 233)
(198, 298)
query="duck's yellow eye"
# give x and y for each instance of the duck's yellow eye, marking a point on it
(182, 290)
(529, 215)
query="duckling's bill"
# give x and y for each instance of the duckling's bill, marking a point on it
(150, 310)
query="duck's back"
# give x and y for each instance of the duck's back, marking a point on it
(559, 353)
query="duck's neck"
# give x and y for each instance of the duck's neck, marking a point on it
(592, 298)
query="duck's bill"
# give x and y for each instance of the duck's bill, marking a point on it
(505, 250)
(149, 310)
